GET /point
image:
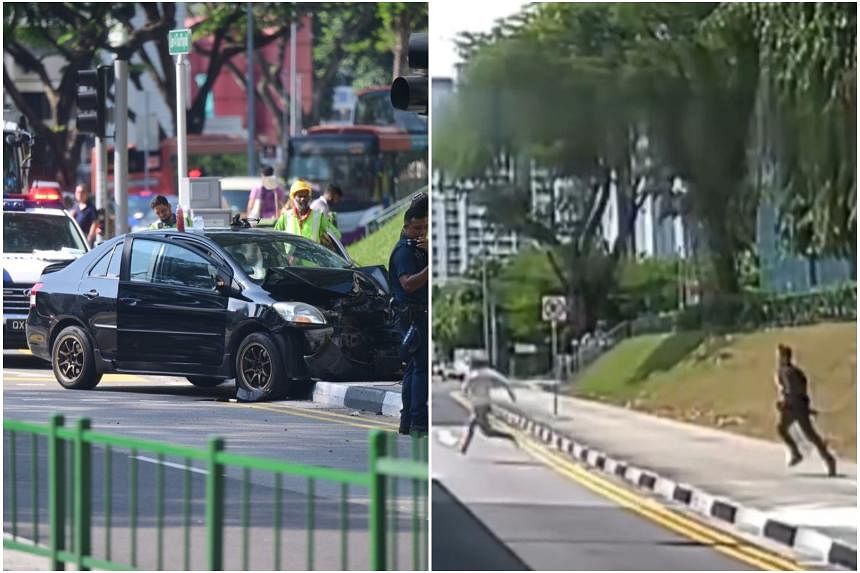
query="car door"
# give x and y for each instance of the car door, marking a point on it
(98, 288)
(171, 315)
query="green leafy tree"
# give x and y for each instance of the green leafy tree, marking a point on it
(809, 53)
(456, 317)
(75, 33)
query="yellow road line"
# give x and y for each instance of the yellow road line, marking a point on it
(369, 425)
(335, 414)
(737, 548)
(123, 378)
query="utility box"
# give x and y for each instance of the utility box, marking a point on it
(200, 192)
(212, 217)
(202, 195)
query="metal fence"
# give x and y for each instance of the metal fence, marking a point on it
(391, 211)
(75, 514)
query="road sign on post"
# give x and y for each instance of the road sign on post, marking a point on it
(179, 41)
(179, 44)
(554, 310)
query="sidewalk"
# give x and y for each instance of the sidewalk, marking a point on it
(754, 490)
(376, 397)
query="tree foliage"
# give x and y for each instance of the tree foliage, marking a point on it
(76, 33)
(355, 43)
(810, 53)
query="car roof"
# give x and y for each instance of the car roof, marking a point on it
(213, 231)
(38, 210)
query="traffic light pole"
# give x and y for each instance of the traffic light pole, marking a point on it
(100, 169)
(120, 151)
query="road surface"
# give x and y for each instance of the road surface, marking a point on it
(503, 507)
(171, 410)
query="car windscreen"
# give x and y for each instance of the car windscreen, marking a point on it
(256, 253)
(28, 232)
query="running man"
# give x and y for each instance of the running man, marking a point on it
(477, 386)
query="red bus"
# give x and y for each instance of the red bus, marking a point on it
(372, 164)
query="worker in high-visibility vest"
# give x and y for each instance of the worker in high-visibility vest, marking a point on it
(300, 219)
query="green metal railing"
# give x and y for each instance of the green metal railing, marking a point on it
(70, 485)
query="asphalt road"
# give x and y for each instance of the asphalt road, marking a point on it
(500, 508)
(169, 409)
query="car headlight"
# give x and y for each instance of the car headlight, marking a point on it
(300, 313)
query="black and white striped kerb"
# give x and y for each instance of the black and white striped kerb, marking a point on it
(829, 550)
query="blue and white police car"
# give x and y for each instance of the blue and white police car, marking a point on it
(36, 233)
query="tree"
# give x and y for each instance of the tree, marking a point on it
(400, 19)
(809, 54)
(76, 33)
(702, 88)
(346, 50)
(456, 317)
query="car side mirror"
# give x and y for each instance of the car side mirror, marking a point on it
(227, 285)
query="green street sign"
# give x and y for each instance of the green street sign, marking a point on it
(179, 41)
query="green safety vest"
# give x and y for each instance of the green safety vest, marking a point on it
(312, 229)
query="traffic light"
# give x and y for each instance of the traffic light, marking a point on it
(410, 92)
(93, 87)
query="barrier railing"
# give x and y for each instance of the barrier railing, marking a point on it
(77, 520)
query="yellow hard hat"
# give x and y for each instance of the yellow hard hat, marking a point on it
(298, 186)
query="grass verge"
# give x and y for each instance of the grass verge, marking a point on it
(726, 381)
(375, 248)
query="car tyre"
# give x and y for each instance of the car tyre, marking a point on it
(72, 360)
(205, 381)
(260, 368)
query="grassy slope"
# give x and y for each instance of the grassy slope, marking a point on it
(727, 381)
(375, 248)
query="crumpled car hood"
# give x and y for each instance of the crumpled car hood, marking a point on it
(290, 282)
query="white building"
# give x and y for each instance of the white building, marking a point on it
(460, 231)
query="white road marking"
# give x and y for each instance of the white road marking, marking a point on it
(447, 438)
(29, 384)
(173, 465)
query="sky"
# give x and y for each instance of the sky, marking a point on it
(448, 17)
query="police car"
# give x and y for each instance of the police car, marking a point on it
(37, 232)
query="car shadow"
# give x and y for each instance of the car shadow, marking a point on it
(224, 391)
(13, 359)
(221, 393)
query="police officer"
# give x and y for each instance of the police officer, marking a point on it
(408, 274)
(166, 216)
(477, 388)
(793, 406)
(300, 219)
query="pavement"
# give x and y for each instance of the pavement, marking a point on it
(506, 506)
(741, 481)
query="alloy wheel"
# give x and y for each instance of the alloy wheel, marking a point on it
(70, 358)
(256, 366)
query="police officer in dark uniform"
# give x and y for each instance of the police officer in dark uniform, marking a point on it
(793, 406)
(408, 271)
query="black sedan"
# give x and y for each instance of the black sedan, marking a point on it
(270, 309)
